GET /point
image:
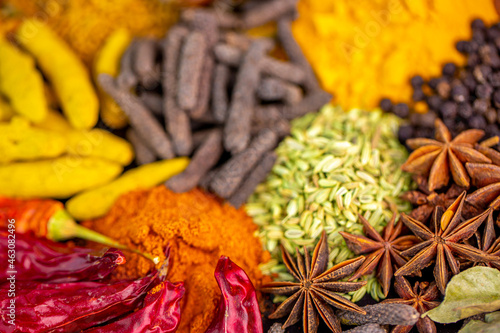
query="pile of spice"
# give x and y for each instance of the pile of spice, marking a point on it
(335, 166)
(382, 44)
(463, 96)
(198, 229)
(84, 25)
(221, 97)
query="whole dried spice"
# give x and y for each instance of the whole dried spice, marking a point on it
(443, 243)
(334, 166)
(444, 155)
(382, 313)
(38, 259)
(143, 154)
(72, 306)
(489, 243)
(367, 328)
(383, 252)
(144, 63)
(238, 306)
(159, 313)
(423, 297)
(486, 177)
(316, 290)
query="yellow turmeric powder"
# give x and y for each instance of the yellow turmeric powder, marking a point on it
(85, 24)
(365, 50)
(198, 229)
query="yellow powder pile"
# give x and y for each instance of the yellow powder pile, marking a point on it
(85, 24)
(365, 50)
(199, 229)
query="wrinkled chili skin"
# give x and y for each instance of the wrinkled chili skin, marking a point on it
(38, 259)
(238, 306)
(161, 313)
(71, 307)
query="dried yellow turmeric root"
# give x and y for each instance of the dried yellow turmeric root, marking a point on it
(102, 144)
(56, 178)
(65, 71)
(21, 83)
(21, 142)
(95, 142)
(107, 61)
(6, 111)
(97, 202)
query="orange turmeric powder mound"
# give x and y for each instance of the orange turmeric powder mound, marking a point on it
(199, 229)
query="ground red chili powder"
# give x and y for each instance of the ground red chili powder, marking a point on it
(199, 229)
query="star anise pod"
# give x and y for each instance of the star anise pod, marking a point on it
(382, 251)
(422, 297)
(489, 243)
(444, 155)
(443, 243)
(486, 177)
(316, 290)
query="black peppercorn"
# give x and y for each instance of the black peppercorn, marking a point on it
(448, 110)
(405, 132)
(469, 81)
(460, 93)
(477, 24)
(417, 81)
(477, 122)
(401, 110)
(491, 115)
(434, 102)
(494, 79)
(443, 89)
(473, 60)
(386, 105)
(433, 83)
(481, 106)
(463, 46)
(481, 73)
(423, 120)
(496, 98)
(449, 69)
(418, 95)
(484, 91)
(464, 110)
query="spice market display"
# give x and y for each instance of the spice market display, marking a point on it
(232, 166)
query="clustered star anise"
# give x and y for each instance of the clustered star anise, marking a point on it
(315, 291)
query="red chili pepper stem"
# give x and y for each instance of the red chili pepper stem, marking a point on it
(62, 226)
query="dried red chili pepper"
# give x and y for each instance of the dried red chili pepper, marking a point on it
(38, 259)
(71, 307)
(238, 310)
(161, 313)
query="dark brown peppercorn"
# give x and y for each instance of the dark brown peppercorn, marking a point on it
(449, 69)
(416, 81)
(434, 102)
(424, 120)
(491, 115)
(496, 98)
(464, 110)
(460, 93)
(484, 91)
(477, 24)
(481, 106)
(418, 95)
(405, 132)
(443, 89)
(477, 122)
(481, 73)
(382, 313)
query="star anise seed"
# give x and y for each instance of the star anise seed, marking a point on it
(489, 243)
(444, 155)
(316, 290)
(422, 297)
(443, 243)
(383, 251)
